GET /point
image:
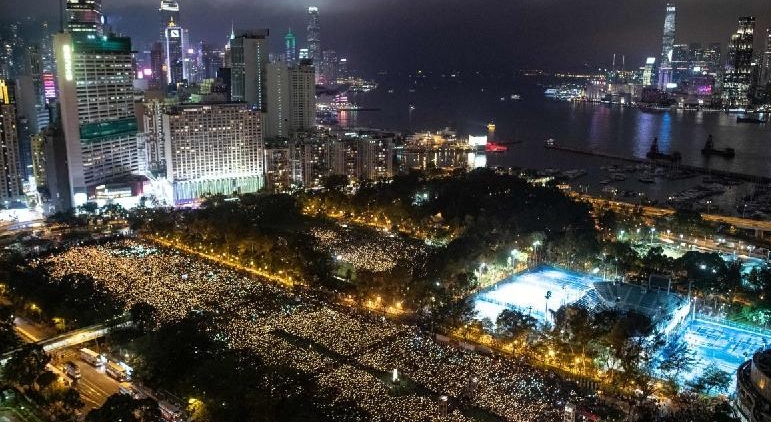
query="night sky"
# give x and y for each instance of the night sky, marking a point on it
(445, 35)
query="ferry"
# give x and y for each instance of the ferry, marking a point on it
(551, 143)
(618, 176)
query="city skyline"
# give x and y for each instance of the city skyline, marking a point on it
(500, 35)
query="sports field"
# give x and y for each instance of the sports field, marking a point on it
(527, 291)
(725, 346)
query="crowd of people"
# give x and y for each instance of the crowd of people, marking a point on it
(364, 250)
(350, 355)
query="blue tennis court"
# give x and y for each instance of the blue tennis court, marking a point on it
(725, 346)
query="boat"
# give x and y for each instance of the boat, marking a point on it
(610, 189)
(655, 154)
(709, 149)
(747, 119)
(493, 147)
(647, 178)
(618, 176)
(516, 97)
(605, 181)
(551, 143)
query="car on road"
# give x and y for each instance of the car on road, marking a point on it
(71, 369)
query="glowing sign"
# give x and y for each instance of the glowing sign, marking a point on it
(650, 60)
(174, 33)
(671, 85)
(147, 71)
(67, 54)
(49, 86)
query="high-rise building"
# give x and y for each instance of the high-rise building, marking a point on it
(362, 157)
(95, 79)
(249, 57)
(211, 61)
(314, 38)
(169, 12)
(329, 67)
(647, 78)
(85, 16)
(157, 74)
(667, 46)
(290, 48)
(291, 99)
(10, 167)
(738, 78)
(222, 155)
(174, 47)
(766, 60)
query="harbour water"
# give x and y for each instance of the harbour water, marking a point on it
(435, 102)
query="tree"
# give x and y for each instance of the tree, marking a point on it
(8, 337)
(143, 316)
(26, 365)
(121, 407)
(712, 379)
(514, 324)
(676, 357)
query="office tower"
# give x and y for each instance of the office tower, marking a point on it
(342, 68)
(290, 48)
(157, 64)
(738, 77)
(85, 16)
(680, 63)
(667, 45)
(291, 99)
(10, 172)
(647, 78)
(329, 67)
(96, 97)
(314, 39)
(224, 155)
(211, 61)
(766, 60)
(174, 53)
(169, 12)
(249, 56)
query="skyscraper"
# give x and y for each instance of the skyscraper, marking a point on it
(766, 60)
(174, 44)
(290, 48)
(169, 11)
(291, 99)
(96, 97)
(314, 38)
(249, 58)
(738, 77)
(85, 16)
(10, 171)
(667, 46)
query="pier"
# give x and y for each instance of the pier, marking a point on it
(695, 169)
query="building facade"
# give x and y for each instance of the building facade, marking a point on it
(96, 97)
(10, 167)
(740, 67)
(249, 60)
(85, 16)
(753, 388)
(291, 99)
(212, 149)
(314, 38)
(667, 46)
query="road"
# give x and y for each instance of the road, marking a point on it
(94, 385)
